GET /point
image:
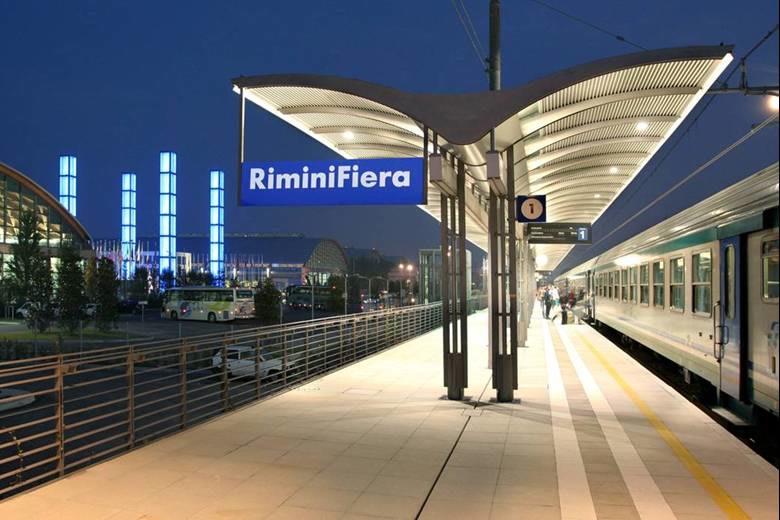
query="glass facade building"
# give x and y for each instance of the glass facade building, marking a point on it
(217, 224)
(128, 225)
(167, 212)
(19, 194)
(68, 183)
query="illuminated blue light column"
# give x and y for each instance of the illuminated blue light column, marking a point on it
(168, 212)
(128, 225)
(217, 226)
(68, 183)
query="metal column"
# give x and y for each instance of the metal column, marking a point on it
(513, 265)
(503, 264)
(454, 290)
(241, 129)
(445, 287)
(463, 310)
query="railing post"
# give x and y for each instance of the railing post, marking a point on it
(284, 356)
(130, 379)
(60, 389)
(341, 343)
(257, 369)
(183, 384)
(225, 379)
(306, 350)
(354, 339)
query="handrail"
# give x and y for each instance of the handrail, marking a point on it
(92, 405)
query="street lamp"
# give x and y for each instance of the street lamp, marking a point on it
(408, 268)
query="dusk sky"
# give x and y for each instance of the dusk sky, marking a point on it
(114, 83)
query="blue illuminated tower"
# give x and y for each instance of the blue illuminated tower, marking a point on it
(168, 212)
(217, 225)
(68, 183)
(128, 225)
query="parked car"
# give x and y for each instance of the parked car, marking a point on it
(241, 363)
(90, 310)
(24, 310)
(129, 307)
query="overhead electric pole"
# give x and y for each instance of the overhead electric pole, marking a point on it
(494, 60)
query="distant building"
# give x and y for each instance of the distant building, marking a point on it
(251, 257)
(19, 193)
(430, 275)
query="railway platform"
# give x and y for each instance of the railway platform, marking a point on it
(592, 435)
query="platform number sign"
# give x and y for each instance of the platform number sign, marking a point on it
(583, 234)
(532, 208)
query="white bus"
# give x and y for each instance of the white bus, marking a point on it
(208, 303)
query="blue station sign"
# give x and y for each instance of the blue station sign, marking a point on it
(339, 182)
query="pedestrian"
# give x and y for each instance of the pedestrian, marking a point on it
(547, 298)
(555, 301)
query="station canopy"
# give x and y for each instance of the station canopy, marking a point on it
(580, 135)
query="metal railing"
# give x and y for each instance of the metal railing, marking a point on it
(92, 405)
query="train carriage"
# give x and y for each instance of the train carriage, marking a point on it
(701, 289)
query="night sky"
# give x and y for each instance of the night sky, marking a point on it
(116, 82)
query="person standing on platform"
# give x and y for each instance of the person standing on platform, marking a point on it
(547, 298)
(555, 301)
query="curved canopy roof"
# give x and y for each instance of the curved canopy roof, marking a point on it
(580, 135)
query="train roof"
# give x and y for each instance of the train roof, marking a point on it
(736, 209)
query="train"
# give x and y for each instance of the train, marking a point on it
(701, 289)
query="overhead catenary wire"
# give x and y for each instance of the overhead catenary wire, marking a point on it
(592, 25)
(474, 32)
(473, 37)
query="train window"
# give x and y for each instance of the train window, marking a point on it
(769, 270)
(644, 284)
(609, 287)
(659, 284)
(702, 283)
(728, 305)
(677, 284)
(632, 272)
(624, 285)
(616, 285)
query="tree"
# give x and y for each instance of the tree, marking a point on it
(167, 279)
(106, 298)
(41, 295)
(71, 295)
(29, 273)
(267, 300)
(195, 277)
(139, 285)
(90, 279)
(336, 294)
(20, 277)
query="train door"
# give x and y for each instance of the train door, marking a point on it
(591, 306)
(729, 310)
